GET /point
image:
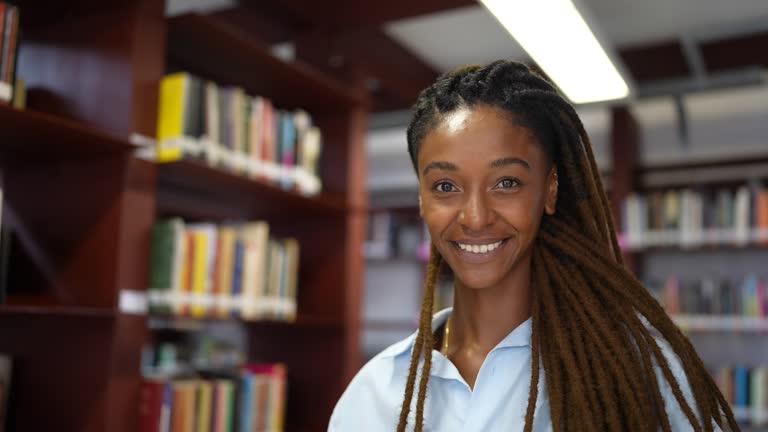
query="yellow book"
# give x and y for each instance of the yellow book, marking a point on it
(204, 406)
(170, 115)
(225, 271)
(199, 273)
(181, 295)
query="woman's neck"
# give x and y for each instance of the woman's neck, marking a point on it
(481, 318)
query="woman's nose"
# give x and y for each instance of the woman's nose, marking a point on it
(475, 213)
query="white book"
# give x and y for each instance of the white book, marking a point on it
(741, 216)
(255, 237)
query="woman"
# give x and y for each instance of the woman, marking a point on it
(548, 330)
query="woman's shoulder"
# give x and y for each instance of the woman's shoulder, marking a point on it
(375, 391)
(677, 418)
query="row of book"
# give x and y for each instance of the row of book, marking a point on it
(746, 389)
(711, 296)
(251, 401)
(691, 218)
(396, 235)
(191, 355)
(9, 38)
(231, 270)
(232, 130)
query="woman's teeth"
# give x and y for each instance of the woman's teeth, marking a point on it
(479, 248)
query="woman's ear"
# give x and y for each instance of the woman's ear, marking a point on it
(421, 211)
(552, 185)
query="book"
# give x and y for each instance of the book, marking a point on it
(203, 268)
(758, 398)
(5, 388)
(231, 270)
(741, 389)
(163, 264)
(153, 414)
(292, 278)
(204, 406)
(237, 132)
(225, 273)
(690, 218)
(255, 238)
(183, 408)
(9, 35)
(179, 115)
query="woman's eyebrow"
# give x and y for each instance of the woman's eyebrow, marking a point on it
(508, 161)
(446, 166)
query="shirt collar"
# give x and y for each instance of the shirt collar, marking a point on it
(518, 337)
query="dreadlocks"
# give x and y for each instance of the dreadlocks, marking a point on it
(600, 358)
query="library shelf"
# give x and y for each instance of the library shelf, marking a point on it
(721, 323)
(58, 311)
(749, 417)
(182, 184)
(78, 145)
(186, 323)
(40, 135)
(230, 56)
(711, 238)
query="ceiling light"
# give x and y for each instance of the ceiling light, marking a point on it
(557, 38)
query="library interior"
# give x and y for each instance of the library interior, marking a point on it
(232, 227)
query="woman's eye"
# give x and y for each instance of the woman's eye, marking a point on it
(444, 187)
(508, 183)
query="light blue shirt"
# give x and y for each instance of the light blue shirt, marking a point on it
(498, 401)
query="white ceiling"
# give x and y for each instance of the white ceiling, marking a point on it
(456, 37)
(472, 35)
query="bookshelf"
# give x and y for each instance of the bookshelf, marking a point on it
(727, 324)
(86, 206)
(712, 254)
(31, 133)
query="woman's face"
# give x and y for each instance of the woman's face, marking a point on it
(484, 184)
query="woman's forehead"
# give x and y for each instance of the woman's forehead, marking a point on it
(475, 132)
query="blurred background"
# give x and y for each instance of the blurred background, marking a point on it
(209, 216)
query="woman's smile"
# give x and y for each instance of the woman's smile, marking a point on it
(480, 251)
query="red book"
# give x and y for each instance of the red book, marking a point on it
(151, 405)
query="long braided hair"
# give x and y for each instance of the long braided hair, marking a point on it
(600, 357)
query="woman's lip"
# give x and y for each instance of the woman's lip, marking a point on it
(480, 242)
(476, 258)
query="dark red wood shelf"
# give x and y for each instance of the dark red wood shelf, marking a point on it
(61, 311)
(193, 189)
(32, 133)
(205, 46)
(184, 323)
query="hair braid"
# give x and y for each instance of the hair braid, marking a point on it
(423, 344)
(600, 359)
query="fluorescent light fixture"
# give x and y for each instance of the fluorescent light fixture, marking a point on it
(555, 35)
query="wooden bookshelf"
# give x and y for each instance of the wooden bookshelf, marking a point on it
(721, 323)
(181, 323)
(87, 207)
(230, 56)
(59, 311)
(41, 135)
(196, 189)
(698, 240)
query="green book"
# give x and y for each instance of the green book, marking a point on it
(162, 264)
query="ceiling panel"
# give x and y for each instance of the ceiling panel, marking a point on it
(632, 22)
(736, 52)
(663, 60)
(456, 37)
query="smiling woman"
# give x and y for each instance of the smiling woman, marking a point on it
(548, 331)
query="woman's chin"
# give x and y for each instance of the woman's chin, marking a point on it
(477, 281)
